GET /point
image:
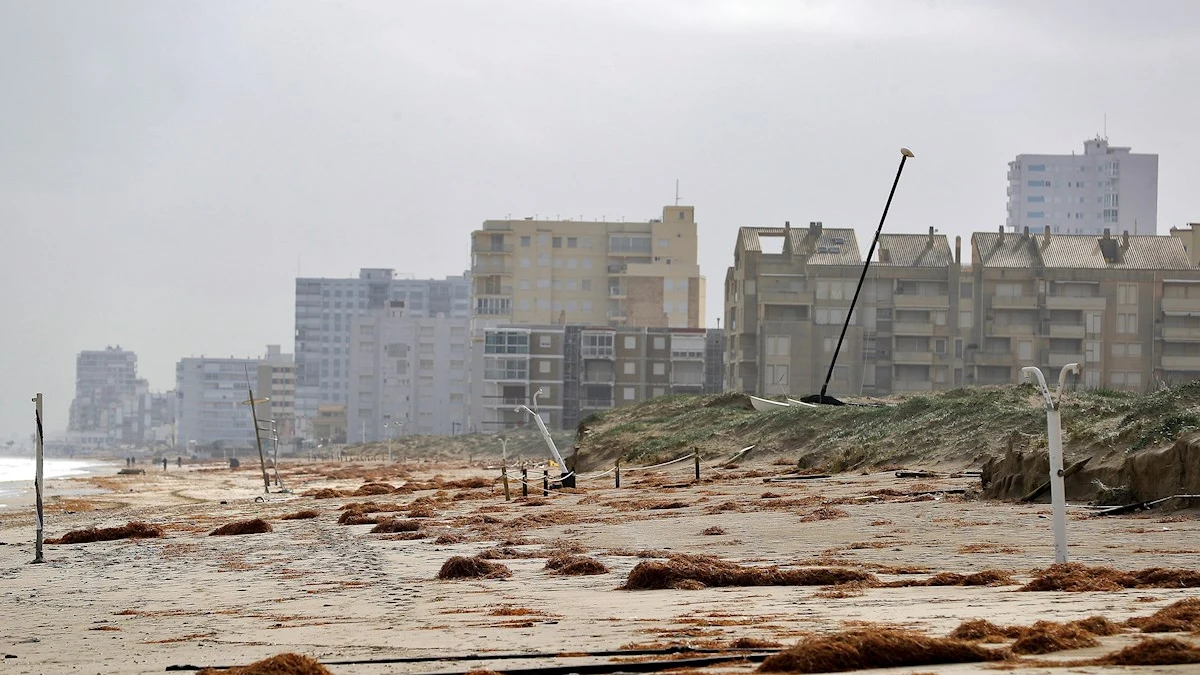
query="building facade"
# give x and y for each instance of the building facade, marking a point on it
(408, 374)
(211, 395)
(580, 370)
(1126, 308)
(106, 395)
(1106, 187)
(276, 381)
(325, 310)
(541, 272)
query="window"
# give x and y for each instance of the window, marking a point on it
(543, 283)
(557, 242)
(585, 284)
(597, 345)
(572, 242)
(1118, 350)
(1035, 199)
(1127, 294)
(779, 345)
(630, 368)
(828, 344)
(544, 367)
(628, 244)
(1035, 214)
(1134, 350)
(544, 260)
(777, 375)
(939, 346)
(1091, 351)
(1035, 167)
(506, 342)
(1038, 183)
(524, 242)
(627, 393)
(958, 348)
(630, 342)
(505, 369)
(964, 289)
(966, 319)
(1127, 323)
(664, 243)
(660, 369)
(1110, 216)
(1008, 290)
(660, 343)
(1093, 323)
(1025, 350)
(524, 262)
(544, 341)
(659, 391)
(493, 306)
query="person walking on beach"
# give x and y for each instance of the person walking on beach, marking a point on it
(164, 463)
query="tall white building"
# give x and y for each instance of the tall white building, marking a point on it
(210, 395)
(106, 384)
(1106, 187)
(408, 375)
(325, 310)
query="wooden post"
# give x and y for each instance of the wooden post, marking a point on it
(618, 472)
(524, 482)
(545, 482)
(696, 454)
(504, 477)
(37, 481)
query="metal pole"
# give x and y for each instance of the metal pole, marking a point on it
(504, 477)
(262, 460)
(618, 472)
(1058, 497)
(37, 481)
(696, 454)
(545, 482)
(905, 153)
(524, 482)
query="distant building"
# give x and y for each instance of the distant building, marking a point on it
(106, 394)
(542, 272)
(408, 374)
(325, 309)
(1105, 188)
(210, 400)
(580, 370)
(1190, 236)
(329, 425)
(276, 381)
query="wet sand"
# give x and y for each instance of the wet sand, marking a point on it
(339, 593)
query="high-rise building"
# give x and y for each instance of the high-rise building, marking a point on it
(1105, 188)
(211, 395)
(544, 272)
(408, 374)
(325, 309)
(276, 378)
(106, 389)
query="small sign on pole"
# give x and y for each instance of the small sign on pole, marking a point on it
(38, 477)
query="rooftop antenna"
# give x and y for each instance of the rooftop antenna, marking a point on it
(1106, 126)
(676, 192)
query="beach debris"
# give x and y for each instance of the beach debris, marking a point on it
(389, 525)
(280, 664)
(1044, 637)
(875, 648)
(1178, 617)
(1078, 577)
(322, 493)
(461, 567)
(983, 578)
(1153, 652)
(713, 530)
(306, 514)
(254, 526)
(132, 530)
(575, 565)
(695, 572)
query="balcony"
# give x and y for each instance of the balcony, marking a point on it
(1181, 305)
(1090, 304)
(993, 358)
(921, 301)
(599, 377)
(484, 249)
(616, 315)
(494, 291)
(1058, 359)
(1020, 302)
(618, 269)
(606, 353)
(1180, 334)
(1181, 362)
(1010, 329)
(504, 401)
(1066, 331)
(913, 358)
(905, 328)
(616, 293)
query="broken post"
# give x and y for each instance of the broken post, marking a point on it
(524, 482)
(504, 477)
(545, 482)
(696, 454)
(618, 480)
(37, 481)
(1058, 499)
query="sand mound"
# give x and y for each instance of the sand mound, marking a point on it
(575, 565)
(1178, 617)
(460, 567)
(873, 648)
(133, 530)
(1077, 577)
(255, 526)
(280, 664)
(388, 525)
(301, 515)
(1153, 652)
(686, 571)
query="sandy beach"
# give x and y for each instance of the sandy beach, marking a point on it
(338, 593)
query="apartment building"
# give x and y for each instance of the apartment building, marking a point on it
(582, 369)
(106, 385)
(1106, 187)
(210, 400)
(276, 381)
(408, 374)
(786, 299)
(1126, 308)
(541, 272)
(1190, 236)
(325, 310)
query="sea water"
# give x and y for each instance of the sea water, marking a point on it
(17, 475)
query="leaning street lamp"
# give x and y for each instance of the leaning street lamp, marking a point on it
(1058, 498)
(562, 466)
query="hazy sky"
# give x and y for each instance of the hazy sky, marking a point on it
(166, 168)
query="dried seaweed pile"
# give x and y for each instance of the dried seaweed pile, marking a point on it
(1077, 577)
(460, 567)
(694, 572)
(875, 648)
(133, 530)
(254, 526)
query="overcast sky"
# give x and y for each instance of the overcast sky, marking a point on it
(166, 168)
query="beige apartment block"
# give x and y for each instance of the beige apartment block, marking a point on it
(1190, 236)
(541, 272)
(786, 299)
(1126, 308)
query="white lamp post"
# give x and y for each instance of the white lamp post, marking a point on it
(1058, 498)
